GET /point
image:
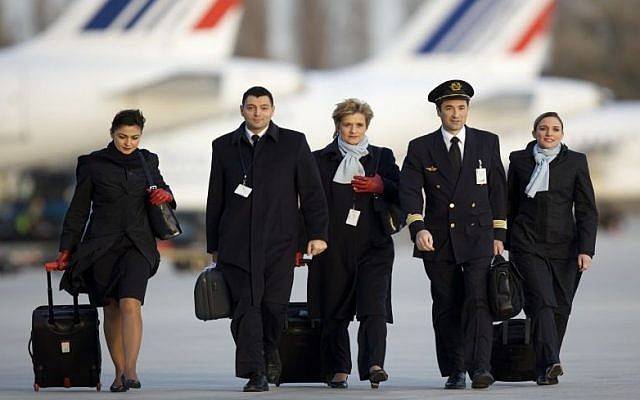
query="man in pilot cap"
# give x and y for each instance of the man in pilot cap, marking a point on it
(458, 230)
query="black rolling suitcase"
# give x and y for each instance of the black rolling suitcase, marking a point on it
(300, 347)
(513, 358)
(65, 344)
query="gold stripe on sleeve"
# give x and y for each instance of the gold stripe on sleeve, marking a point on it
(411, 218)
(500, 224)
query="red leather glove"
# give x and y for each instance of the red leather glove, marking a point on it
(299, 261)
(159, 196)
(368, 184)
(60, 264)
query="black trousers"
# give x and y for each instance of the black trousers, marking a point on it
(550, 286)
(372, 345)
(256, 329)
(460, 314)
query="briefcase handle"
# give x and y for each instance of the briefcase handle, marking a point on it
(76, 308)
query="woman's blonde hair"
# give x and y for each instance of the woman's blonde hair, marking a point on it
(349, 107)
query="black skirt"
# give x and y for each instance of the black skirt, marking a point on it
(121, 271)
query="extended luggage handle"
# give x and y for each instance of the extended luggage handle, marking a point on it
(76, 308)
(527, 331)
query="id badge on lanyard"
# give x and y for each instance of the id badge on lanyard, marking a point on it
(352, 217)
(481, 174)
(242, 189)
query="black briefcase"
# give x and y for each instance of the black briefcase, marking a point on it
(513, 358)
(65, 344)
(300, 347)
(211, 295)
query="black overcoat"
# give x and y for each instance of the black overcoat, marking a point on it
(471, 215)
(112, 197)
(259, 233)
(363, 253)
(559, 223)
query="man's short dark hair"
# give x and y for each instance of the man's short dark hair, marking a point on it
(257, 91)
(128, 118)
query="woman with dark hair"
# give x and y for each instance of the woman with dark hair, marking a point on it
(116, 255)
(353, 277)
(552, 220)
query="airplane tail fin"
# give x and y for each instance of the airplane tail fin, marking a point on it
(201, 29)
(512, 28)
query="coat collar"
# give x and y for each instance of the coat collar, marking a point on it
(440, 155)
(332, 151)
(239, 134)
(528, 152)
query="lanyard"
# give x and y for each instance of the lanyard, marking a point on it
(245, 169)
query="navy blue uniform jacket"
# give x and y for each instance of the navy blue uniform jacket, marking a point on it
(561, 222)
(471, 215)
(112, 198)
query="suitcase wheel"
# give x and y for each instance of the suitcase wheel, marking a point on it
(375, 385)
(36, 387)
(98, 386)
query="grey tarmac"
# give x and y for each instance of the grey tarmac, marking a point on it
(184, 358)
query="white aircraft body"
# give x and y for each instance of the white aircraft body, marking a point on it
(103, 56)
(171, 58)
(498, 46)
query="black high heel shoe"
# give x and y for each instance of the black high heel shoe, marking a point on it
(338, 384)
(131, 383)
(377, 376)
(117, 389)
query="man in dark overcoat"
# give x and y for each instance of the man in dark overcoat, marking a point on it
(262, 178)
(458, 230)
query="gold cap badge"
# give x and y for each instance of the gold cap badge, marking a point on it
(456, 86)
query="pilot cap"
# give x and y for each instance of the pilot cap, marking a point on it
(453, 89)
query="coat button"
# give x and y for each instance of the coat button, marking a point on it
(451, 205)
(438, 186)
(453, 225)
(473, 205)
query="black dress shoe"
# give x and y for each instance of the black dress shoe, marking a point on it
(554, 371)
(257, 383)
(457, 380)
(338, 384)
(482, 379)
(273, 366)
(542, 380)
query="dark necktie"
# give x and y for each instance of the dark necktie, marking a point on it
(455, 156)
(254, 139)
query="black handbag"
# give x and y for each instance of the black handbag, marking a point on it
(393, 218)
(211, 297)
(162, 220)
(506, 297)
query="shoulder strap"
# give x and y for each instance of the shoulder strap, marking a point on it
(376, 158)
(145, 167)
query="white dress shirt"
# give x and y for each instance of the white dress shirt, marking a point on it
(248, 133)
(446, 135)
